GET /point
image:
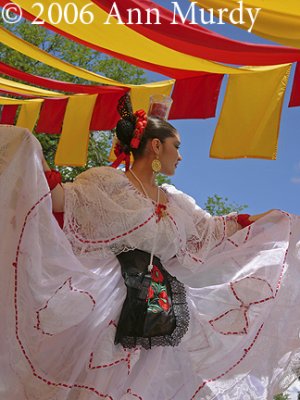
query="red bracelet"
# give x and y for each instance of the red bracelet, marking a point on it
(53, 178)
(59, 218)
(243, 220)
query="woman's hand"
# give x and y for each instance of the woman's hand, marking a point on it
(45, 164)
(256, 217)
(57, 194)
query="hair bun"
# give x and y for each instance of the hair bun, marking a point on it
(124, 131)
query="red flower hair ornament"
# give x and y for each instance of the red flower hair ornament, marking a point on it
(139, 118)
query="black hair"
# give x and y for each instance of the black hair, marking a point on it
(156, 128)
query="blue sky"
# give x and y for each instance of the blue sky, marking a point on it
(261, 184)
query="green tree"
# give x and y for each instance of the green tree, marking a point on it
(217, 205)
(76, 54)
(69, 51)
(281, 397)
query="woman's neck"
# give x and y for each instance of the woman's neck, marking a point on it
(144, 172)
(142, 176)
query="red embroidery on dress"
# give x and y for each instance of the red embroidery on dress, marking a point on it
(126, 358)
(182, 252)
(106, 365)
(285, 256)
(72, 289)
(23, 350)
(239, 316)
(160, 211)
(113, 323)
(248, 230)
(246, 351)
(106, 241)
(129, 391)
(248, 233)
(224, 234)
(91, 389)
(232, 242)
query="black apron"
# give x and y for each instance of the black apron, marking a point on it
(155, 311)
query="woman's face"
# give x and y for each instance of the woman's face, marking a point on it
(169, 155)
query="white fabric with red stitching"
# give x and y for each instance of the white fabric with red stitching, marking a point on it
(59, 296)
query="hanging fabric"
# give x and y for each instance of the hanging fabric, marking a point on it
(29, 114)
(295, 95)
(75, 130)
(194, 39)
(140, 96)
(201, 101)
(21, 88)
(107, 40)
(249, 122)
(52, 116)
(8, 114)
(278, 20)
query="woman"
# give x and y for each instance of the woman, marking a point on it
(114, 322)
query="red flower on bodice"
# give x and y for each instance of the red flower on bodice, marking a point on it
(156, 275)
(160, 211)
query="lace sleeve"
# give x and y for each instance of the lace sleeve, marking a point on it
(212, 230)
(202, 231)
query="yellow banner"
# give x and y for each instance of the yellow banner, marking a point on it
(35, 53)
(276, 20)
(29, 114)
(22, 88)
(18, 44)
(8, 101)
(101, 29)
(250, 118)
(140, 96)
(73, 144)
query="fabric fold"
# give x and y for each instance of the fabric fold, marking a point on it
(8, 114)
(250, 117)
(105, 115)
(278, 20)
(21, 88)
(10, 101)
(52, 116)
(196, 40)
(29, 114)
(111, 36)
(196, 97)
(140, 96)
(75, 130)
(56, 84)
(60, 306)
(295, 94)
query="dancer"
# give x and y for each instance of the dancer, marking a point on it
(143, 295)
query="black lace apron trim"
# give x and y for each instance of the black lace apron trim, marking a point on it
(155, 311)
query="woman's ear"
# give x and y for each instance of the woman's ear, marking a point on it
(156, 145)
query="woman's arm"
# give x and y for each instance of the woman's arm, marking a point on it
(57, 193)
(244, 220)
(254, 218)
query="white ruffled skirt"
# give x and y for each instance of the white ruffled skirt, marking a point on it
(59, 312)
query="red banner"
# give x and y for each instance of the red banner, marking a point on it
(196, 40)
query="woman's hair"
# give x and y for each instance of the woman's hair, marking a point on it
(156, 128)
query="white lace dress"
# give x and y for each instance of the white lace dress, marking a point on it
(61, 293)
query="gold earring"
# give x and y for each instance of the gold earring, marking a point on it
(156, 165)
